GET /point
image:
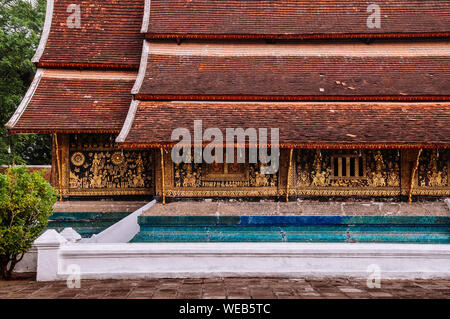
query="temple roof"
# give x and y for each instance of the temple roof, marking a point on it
(244, 69)
(108, 35)
(306, 125)
(74, 101)
(293, 19)
(294, 71)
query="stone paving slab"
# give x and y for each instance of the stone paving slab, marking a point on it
(230, 288)
(98, 206)
(299, 207)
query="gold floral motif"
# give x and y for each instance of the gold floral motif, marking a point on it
(376, 179)
(393, 177)
(303, 175)
(117, 158)
(261, 179)
(190, 180)
(77, 158)
(319, 176)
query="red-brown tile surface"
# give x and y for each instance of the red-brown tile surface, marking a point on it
(299, 123)
(284, 18)
(235, 71)
(77, 105)
(109, 34)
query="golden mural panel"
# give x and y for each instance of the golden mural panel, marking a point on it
(97, 167)
(433, 168)
(346, 172)
(313, 173)
(201, 175)
(219, 179)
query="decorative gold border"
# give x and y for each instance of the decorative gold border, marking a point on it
(332, 191)
(247, 192)
(431, 192)
(244, 192)
(108, 192)
(295, 36)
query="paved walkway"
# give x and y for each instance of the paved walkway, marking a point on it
(233, 207)
(299, 207)
(98, 206)
(256, 288)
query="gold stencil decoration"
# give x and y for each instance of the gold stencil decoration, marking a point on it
(222, 176)
(433, 168)
(77, 159)
(99, 167)
(345, 172)
(377, 179)
(117, 158)
(320, 177)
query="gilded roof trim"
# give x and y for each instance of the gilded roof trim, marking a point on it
(98, 66)
(308, 145)
(331, 36)
(309, 98)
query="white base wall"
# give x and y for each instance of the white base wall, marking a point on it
(170, 260)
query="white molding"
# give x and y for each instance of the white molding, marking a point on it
(146, 17)
(142, 68)
(48, 248)
(123, 231)
(70, 234)
(128, 122)
(181, 260)
(26, 99)
(45, 32)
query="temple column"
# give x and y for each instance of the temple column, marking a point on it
(408, 162)
(60, 164)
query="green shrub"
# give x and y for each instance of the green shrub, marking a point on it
(26, 203)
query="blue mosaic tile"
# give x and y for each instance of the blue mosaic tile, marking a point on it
(385, 229)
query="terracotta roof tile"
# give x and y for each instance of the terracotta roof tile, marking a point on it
(294, 19)
(230, 71)
(300, 124)
(71, 101)
(109, 34)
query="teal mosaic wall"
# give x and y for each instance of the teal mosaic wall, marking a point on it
(351, 229)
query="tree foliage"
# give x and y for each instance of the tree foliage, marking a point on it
(26, 203)
(21, 25)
